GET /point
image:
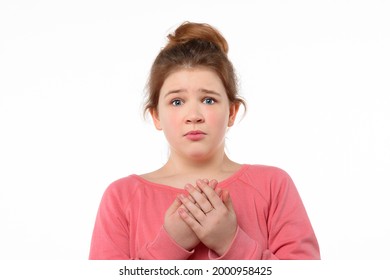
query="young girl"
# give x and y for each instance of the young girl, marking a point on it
(200, 204)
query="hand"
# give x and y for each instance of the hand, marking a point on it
(177, 229)
(210, 214)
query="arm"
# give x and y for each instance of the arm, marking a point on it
(175, 239)
(111, 236)
(290, 234)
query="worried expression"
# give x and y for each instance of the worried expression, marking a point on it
(194, 113)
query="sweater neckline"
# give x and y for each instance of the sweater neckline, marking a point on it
(221, 184)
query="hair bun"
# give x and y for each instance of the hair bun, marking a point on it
(191, 31)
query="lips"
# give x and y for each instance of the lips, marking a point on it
(195, 135)
(194, 132)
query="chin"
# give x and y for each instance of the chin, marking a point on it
(199, 156)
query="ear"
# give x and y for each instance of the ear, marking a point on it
(155, 117)
(233, 110)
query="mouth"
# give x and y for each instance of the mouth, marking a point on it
(195, 135)
(194, 132)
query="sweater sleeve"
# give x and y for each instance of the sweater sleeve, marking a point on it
(110, 237)
(290, 234)
(163, 247)
(111, 234)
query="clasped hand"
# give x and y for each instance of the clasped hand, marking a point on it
(205, 215)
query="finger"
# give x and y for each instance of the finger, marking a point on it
(174, 206)
(192, 209)
(182, 207)
(188, 187)
(213, 184)
(218, 191)
(200, 199)
(190, 220)
(227, 200)
(196, 187)
(212, 196)
(192, 199)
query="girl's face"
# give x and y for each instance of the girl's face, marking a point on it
(194, 112)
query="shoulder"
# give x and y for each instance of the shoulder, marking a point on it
(268, 181)
(123, 190)
(265, 172)
(266, 178)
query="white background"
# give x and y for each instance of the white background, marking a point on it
(315, 74)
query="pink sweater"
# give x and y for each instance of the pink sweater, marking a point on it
(272, 221)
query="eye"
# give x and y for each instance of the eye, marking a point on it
(176, 102)
(209, 100)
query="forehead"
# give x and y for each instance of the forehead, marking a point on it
(193, 79)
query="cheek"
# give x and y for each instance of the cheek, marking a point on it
(172, 119)
(218, 118)
(169, 121)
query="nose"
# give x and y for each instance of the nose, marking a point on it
(194, 115)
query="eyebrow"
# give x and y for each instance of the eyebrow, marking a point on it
(202, 90)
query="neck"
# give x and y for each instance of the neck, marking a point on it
(178, 165)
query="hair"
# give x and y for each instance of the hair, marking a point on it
(192, 45)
